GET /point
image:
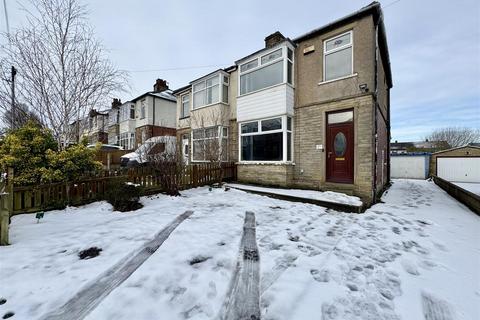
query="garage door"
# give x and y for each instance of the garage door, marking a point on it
(409, 167)
(459, 169)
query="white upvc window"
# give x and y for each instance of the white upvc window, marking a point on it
(127, 140)
(338, 56)
(127, 112)
(210, 144)
(142, 108)
(185, 108)
(210, 91)
(272, 68)
(266, 140)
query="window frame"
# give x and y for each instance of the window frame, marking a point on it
(332, 51)
(284, 58)
(221, 87)
(284, 130)
(220, 135)
(185, 99)
(143, 109)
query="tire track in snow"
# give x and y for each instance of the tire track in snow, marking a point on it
(82, 303)
(243, 299)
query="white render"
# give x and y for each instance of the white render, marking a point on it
(265, 103)
(165, 112)
(461, 169)
(409, 167)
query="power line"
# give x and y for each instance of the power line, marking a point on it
(391, 4)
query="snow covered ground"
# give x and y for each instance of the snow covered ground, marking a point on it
(329, 196)
(472, 187)
(417, 253)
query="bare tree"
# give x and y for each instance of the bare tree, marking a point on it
(455, 136)
(62, 69)
(210, 141)
(20, 116)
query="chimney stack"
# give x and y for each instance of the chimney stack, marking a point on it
(273, 39)
(116, 103)
(160, 85)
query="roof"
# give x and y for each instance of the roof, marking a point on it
(374, 9)
(461, 147)
(265, 49)
(181, 89)
(166, 95)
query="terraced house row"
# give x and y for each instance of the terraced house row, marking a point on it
(309, 112)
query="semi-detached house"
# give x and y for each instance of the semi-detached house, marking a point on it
(309, 112)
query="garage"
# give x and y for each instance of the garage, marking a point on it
(458, 164)
(409, 166)
(459, 169)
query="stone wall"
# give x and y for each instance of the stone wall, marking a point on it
(277, 175)
(310, 130)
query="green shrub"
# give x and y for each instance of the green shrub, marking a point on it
(123, 196)
(33, 154)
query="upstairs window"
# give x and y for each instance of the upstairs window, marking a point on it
(338, 56)
(266, 71)
(209, 91)
(185, 106)
(127, 112)
(142, 109)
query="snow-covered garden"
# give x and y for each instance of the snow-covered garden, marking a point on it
(414, 256)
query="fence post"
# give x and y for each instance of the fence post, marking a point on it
(6, 207)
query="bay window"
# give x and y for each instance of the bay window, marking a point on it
(267, 70)
(210, 90)
(266, 140)
(127, 112)
(338, 56)
(210, 144)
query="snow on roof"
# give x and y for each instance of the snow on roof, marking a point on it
(168, 94)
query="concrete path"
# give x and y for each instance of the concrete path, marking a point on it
(80, 305)
(243, 299)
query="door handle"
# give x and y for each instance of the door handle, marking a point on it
(329, 153)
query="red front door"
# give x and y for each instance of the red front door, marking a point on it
(340, 147)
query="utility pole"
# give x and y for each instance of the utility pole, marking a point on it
(12, 116)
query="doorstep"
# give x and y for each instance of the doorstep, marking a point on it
(332, 200)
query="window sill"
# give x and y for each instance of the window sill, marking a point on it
(183, 118)
(338, 79)
(276, 163)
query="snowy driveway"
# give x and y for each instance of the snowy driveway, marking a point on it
(416, 253)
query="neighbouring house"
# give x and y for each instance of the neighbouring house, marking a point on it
(126, 126)
(460, 164)
(309, 112)
(206, 122)
(113, 122)
(96, 127)
(155, 113)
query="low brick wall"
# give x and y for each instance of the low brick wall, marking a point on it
(278, 175)
(468, 198)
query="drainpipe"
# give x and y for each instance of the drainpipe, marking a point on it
(375, 102)
(153, 114)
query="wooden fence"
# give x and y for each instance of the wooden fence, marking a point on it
(28, 199)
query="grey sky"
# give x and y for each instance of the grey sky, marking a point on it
(434, 47)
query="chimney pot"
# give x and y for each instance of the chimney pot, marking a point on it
(116, 103)
(273, 39)
(160, 85)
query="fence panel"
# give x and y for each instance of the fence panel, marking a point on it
(27, 199)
